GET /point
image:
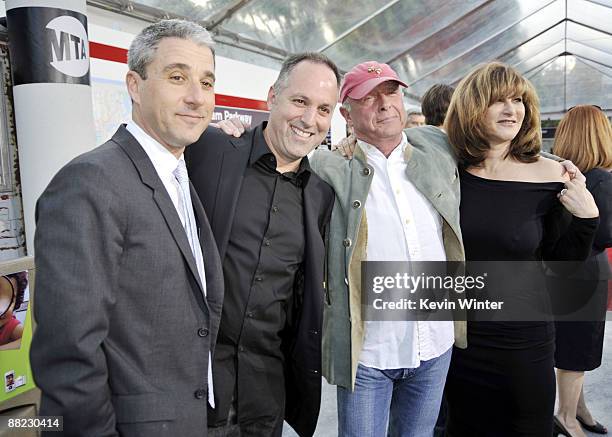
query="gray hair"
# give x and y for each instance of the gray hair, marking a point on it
(292, 61)
(143, 48)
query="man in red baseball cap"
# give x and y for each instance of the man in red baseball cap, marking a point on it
(373, 91)
(390, 374)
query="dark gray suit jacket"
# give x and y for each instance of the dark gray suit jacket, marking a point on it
(124, 331)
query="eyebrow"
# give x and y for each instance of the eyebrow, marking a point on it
(182, 66)
(308, 99)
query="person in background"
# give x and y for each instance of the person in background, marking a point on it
(414, 119)
(584, 136)
(515, 206)
(434, 104)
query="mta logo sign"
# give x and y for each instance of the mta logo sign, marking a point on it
(69, 46)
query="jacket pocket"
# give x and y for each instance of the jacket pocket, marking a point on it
(145, 407)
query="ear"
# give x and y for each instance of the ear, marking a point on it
(271, 97)
(345, 113)
(133, 82)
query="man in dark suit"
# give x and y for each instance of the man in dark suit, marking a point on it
(269, 213)
(128, 297)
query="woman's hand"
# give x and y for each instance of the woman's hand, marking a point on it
(346, 146)
(578, 200)
(570, 168)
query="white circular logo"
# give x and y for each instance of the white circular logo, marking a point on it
(69, 46)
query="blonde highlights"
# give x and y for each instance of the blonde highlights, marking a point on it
(485, 85)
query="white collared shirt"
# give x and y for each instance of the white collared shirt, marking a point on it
(164, 162)
(407, 228)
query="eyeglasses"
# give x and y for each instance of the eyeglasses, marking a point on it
(593, 106)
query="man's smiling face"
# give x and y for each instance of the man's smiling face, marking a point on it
(301, 111)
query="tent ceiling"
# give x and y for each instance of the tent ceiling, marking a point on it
(556, 43)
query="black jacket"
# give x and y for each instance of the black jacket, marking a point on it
(216, 165)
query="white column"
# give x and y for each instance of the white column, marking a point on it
(49, 52)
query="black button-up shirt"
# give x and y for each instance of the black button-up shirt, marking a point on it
(264, 256)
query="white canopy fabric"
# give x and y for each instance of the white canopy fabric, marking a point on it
(563, 46)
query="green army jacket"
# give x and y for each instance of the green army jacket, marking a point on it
(432, 169)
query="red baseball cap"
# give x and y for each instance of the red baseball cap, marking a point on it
(364, 77)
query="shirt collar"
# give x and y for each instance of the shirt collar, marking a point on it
(373, 153)
(260, 152)
(260, 147)
(164, 162)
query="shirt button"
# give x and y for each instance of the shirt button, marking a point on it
(200, 393)
(202, 332)
(346, 242)
(366, 171)
(258, 278)
(267, 242)
(356, 204)
(240, 348)
(250, 314)
(275, 208)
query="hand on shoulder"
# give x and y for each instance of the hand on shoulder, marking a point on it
(548, 170)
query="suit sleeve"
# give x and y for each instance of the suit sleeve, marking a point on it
(78, 246)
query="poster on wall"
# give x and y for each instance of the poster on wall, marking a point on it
(250, 117)
(15, 335)
(112, 106)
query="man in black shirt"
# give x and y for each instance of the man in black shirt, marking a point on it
(268, 213)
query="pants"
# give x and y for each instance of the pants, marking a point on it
(407, 400)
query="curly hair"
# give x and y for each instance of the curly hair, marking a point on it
(465, 119)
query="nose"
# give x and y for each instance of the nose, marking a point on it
(385, 102)
(308, 116)
(195, 96)
(508, 106)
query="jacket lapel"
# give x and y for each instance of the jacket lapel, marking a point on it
(212, 263)
(432, 188)
(149, 177)
(233, 164)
